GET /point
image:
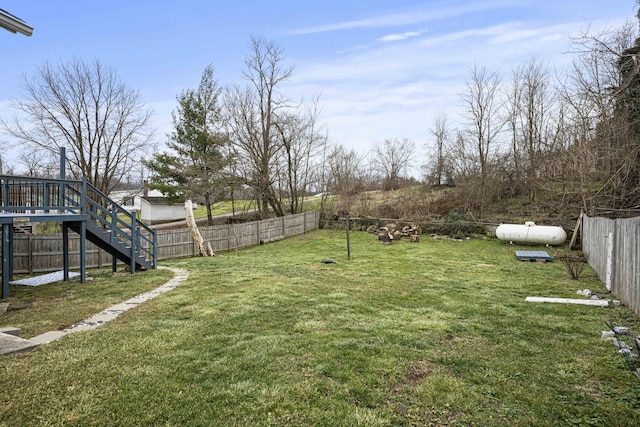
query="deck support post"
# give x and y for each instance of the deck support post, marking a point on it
(7, 251)
(83, 251)
(65, 251)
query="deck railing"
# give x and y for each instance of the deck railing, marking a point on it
(29, 195)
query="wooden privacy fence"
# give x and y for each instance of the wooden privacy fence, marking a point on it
(44, 253)
(612, 247)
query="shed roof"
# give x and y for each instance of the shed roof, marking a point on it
(157, 200)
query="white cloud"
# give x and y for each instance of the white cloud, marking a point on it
(400, 36)
(388, 90)
(428, 13)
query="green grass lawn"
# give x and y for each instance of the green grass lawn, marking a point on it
(59, 305)
(435, 333)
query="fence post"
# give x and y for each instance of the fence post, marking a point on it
(258, 232)
(31, 244)
(609, 270)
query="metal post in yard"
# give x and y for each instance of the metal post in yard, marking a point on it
(348, 241)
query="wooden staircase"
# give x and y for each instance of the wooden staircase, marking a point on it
(116, 230)
(119, 248)
(106, 224)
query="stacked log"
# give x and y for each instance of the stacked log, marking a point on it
(410, 230)
(385, 235)
(389, 233)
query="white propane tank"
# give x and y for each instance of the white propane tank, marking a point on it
(532, 234)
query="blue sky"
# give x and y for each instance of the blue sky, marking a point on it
(382, 69)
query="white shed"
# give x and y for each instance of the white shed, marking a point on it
(156, 209)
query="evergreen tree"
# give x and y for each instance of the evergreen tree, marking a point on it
(194, 169)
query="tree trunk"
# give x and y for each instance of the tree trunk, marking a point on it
(208, 203)
(204, 247)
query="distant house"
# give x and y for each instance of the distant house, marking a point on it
(130, 199)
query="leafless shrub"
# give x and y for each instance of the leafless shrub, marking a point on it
(574, 264)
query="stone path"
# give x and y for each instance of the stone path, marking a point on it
(13, 344)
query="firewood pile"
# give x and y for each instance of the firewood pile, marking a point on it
(390, 232)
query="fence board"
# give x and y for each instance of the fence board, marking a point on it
(625, 235)
(44, 253)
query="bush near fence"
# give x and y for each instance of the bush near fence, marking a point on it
(44, 253)
(623, 270)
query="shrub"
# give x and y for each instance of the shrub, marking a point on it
(574, 264)
(459, 225)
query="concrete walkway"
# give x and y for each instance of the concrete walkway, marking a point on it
(13, 344)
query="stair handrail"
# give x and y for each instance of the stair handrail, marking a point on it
(77, 196)
(141, 244)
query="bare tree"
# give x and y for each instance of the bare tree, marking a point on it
(253, 114)
(393, 158)
(438, 171)
(89, 111)
(345, 175)
(36, 163)
(602, 93)
(302, 141)
(481, 111)
(6, 169)
(530, 104)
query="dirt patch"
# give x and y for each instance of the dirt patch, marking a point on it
(591, 392)
(417, 371)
